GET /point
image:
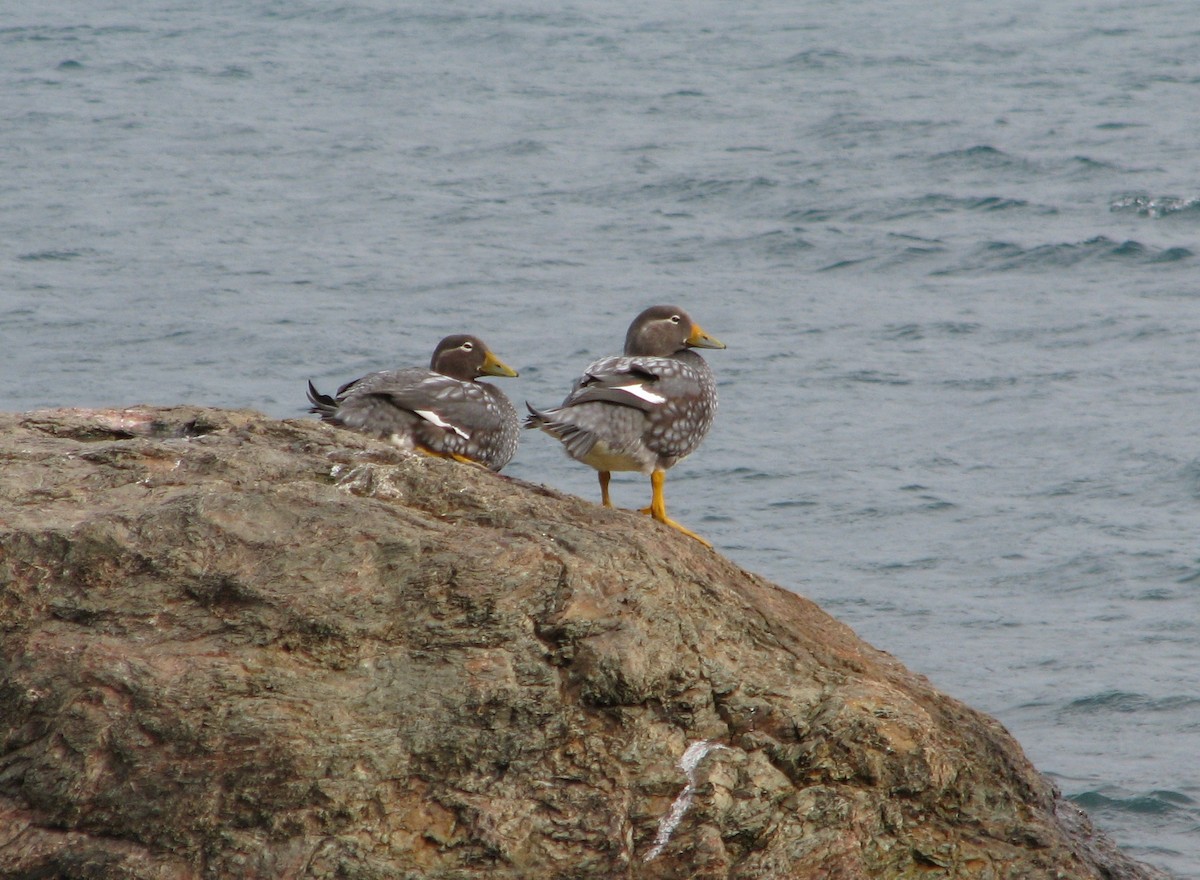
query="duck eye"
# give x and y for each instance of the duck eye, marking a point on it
(467, 346)
(675, 319)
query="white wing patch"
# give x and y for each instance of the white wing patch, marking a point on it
(637, 389)
(433, 418)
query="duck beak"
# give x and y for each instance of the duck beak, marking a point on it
(700, 339)
(493, 366)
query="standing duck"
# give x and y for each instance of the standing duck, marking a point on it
(643, 411)
(441, 411)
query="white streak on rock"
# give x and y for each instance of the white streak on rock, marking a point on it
(667, 824)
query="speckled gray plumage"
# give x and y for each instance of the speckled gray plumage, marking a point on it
(418, 408)
(643, 413)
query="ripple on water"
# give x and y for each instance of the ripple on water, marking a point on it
(50, 256)
(1158, 207)
(982, 156)
(1126, 702)
(943, 203)
(1003, 256)
(936, 329)
(1158, 802)
(875, 377)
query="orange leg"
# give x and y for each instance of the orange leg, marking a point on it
(658, 507)
(605, 477)
(432, 453)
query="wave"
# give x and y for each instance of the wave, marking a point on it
(1005, 256)
(686, 188)
(1127, 702)
(907, 332)
(818, 59)
(874, 377)
(997, 203)
(1157, 207)
(934, 204)
(64, 33)
(49, 256)
(1158, 802)
(984, 383)
(983, 156)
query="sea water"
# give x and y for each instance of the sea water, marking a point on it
(954, 250)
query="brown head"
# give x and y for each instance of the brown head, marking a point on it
(661, 331)
(466, 358)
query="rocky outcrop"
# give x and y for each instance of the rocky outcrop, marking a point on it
(238, 647)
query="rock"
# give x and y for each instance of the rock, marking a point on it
(238, 647)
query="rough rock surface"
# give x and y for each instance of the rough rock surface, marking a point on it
(238, 647)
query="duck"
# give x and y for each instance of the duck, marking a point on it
(645, 410)
(442, 411)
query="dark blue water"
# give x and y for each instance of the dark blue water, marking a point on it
(955, 254)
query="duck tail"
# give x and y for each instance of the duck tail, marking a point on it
(322, 404)
(536, 418)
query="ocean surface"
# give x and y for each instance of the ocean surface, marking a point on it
(954, 250)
